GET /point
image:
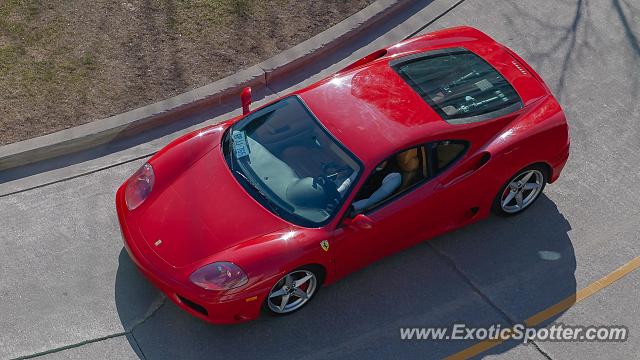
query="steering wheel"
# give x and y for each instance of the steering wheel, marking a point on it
(330, 190)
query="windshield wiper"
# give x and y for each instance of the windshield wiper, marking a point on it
(231, 152)
(264, 196)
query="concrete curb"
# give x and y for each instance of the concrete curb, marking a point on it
(138, 120)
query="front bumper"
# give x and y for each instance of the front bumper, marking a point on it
(206, 305)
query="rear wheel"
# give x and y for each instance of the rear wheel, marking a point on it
(521, 191)
(292, 291)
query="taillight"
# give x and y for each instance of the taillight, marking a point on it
(139, 186)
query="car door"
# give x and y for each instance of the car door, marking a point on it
(399, 221)
(459, 184)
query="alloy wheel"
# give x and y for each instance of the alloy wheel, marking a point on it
(292, 292)
(522, 191)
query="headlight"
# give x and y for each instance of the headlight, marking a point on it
(139, 186)
(219, 276)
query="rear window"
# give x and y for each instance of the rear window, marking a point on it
(459, 85)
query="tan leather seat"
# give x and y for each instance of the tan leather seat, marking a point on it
(447, 152)
(409, 164)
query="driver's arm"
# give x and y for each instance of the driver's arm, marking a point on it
(390, 183)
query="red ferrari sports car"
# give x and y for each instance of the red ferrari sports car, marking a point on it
(256, 213)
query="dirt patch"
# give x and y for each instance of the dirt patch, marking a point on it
(68, 62)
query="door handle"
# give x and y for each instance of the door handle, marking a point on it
(467, 168)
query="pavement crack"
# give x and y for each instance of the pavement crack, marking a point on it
(266, 81)
(71, 346)
(78, 175)
(150, 313)
(270, 89)
(544, 353)
(158, 304)
(452, 264)
(434, 20)
(144, 357)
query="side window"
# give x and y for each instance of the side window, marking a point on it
(393, 176)
(446, 152)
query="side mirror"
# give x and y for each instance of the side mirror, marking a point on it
(245, 98)
(361, 221)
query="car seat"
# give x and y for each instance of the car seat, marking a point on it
(409, 164)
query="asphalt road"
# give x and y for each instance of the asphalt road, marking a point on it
(68, 289)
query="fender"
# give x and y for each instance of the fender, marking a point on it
(267, 258)
(533, 137)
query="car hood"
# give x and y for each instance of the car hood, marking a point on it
(202, 212)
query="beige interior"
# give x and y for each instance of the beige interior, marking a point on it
(447, 152)
(409, 164)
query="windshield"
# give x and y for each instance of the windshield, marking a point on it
(290, 163)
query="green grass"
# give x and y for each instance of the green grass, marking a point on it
(17, 18)
(68, 62)
(19, 25)
(28, 61)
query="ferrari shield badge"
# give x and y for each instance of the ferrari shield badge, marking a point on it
(324, 244)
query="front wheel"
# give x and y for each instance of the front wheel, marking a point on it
(292, 292)
(521, 191)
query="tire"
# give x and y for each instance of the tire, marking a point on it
(288, 296)
(521, 195)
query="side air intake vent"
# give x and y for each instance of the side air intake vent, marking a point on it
(193, 305)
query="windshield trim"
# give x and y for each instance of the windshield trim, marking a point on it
(282, 212)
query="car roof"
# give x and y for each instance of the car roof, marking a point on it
(374, 112)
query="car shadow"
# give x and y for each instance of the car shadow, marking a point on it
(523, 264)
(500, 270)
